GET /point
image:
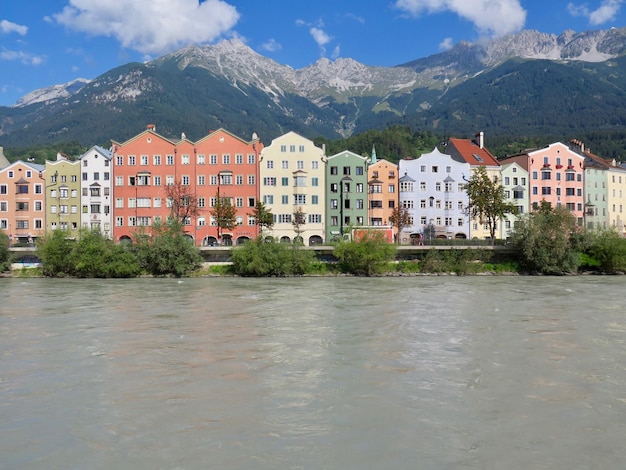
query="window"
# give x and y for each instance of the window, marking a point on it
(213, 159)
(268, 199)
(143, 159)
(226, 159)
(315, 218)
(169, 160)
(284, 199)
(314, 181)
(284, 164)
(285, 181)
(346, 170)
(333, 170)
(156, 160)
(238, 159)
(251, 159)
(131, 160)
(358, 170)
(392, 188)
(119, 181)
(22, 189)
(201, 180)
(299, 199)
(434, 169)
(314, 199)
(314, 165)
(185, 180)
(157, 181)
(119, 161)
(119, 203)
(201, 159)
(251, 180)
(270, 164)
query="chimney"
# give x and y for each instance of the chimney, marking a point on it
(480, 140)
(151, 127)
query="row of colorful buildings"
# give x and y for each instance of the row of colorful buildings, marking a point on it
(128, 187)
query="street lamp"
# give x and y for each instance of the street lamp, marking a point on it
(345, 188)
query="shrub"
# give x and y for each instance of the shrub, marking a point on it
(167, 251)
(368, 256)
(269, 258)
(5, 254)
(608, 250)
(55, 251)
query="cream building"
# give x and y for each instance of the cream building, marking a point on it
(292, 178)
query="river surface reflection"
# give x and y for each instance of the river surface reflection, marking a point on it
(313, 373)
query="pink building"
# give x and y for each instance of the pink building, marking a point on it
(556, 176)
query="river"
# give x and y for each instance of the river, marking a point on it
(313, 373)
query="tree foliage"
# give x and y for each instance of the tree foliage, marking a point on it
(167, 251)
(263, 217)
(183, 202)
(268, 258)
(224, 213)
(400, 217)
(367, 256)
(487, 200)
(546, 241)
(609, 249)
(298, 221)
(89, 255)
(5, 254)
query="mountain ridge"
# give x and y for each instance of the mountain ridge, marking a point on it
(198, 88)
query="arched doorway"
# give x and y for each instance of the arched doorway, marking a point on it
(227, 240)
(315, 240)
(209, 241)
(242, 240)
(460, 236)
(285, 239)
(126, 239)
(188, 237)
(298, 240)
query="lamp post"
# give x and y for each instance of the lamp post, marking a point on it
(345, 189)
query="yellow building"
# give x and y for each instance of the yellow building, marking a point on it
(292, 180)
(63, 194)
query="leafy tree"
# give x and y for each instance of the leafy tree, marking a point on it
(298, 220)
(546, 242)
(224, 213)
(367, 256)
(609, 249)
(400, 218)
(263, 217)
(487, 200)
(183, 202)
(55, 250)
(5, 254)
(95, 256)
(260, 258)
(167, 251)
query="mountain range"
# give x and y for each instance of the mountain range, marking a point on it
(530, 83)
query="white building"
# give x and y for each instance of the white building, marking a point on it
(432, 189)
(95, 184)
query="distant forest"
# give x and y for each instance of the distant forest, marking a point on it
(392, 144)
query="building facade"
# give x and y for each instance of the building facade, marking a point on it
(63, 196)
(156, 178)
(382, 191)
(432, 189)
(96, 190)
(346, 185)
(292, 174)
(22, 201)
(515, 183)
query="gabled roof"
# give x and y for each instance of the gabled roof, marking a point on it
(468, 150)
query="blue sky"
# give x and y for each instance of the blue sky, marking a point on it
(47, 42)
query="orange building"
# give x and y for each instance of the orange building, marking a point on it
(382, 191)
(22, 201)
(149, 171)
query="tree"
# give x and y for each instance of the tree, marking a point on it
(167, 250)
(367, 256)
(182, 201)
(259, 258)
(487, 200)
(224, 213)
(298, 220)
(609, 249)
(400, 218)
(263, 217)
(546, 240)
(5, 254)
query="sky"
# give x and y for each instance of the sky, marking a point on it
(48, 42)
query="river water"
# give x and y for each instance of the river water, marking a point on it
(313, 373)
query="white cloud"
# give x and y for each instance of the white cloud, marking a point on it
(446, 44)
(607, 11)
(150, 26)
(336, 52)
(320, 37)
(271, 45)
(9, 27)
(490, 17)
(24, 57)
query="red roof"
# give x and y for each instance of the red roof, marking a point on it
(471, 152)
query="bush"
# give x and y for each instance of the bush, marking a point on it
(608, 250)
(262, 258)
(90, 255)
(167, 251)
(368, 256)
(5, 254)
(546, 241)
